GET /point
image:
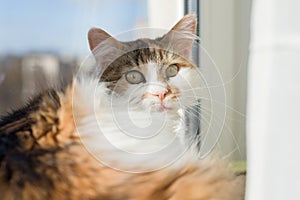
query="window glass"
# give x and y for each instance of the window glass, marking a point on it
(44, 41)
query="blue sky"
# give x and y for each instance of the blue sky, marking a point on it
(62, 25)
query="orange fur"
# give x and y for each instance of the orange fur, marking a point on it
(42, 157)
(72, 173)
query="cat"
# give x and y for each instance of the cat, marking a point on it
(117, 131)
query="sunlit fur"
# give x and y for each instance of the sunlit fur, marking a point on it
(70, 143)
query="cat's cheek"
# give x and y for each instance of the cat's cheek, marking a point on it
(135, 91)
(171, 104)
(148, 103)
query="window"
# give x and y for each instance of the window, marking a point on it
(51, 38)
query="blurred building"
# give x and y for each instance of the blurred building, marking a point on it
(21, 77)
(38, 71)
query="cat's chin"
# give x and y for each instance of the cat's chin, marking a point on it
(156, 106)
(161, 108)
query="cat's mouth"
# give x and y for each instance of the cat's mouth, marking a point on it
(160, 107)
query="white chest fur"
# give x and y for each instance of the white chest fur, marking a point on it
(124, 138)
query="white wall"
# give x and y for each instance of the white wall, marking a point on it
(164, 13)
(224, 30)
(274, 101)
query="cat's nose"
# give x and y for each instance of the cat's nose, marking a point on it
(161, 95)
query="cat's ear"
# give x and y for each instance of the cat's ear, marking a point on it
(181, 37)
(97, 36)
(104, 47)
(187, 25)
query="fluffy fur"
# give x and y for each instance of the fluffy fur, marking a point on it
(43, 158)
(70, 144)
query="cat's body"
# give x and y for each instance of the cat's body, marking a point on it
(59, 145)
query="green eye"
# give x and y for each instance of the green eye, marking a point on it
(134, 77)
(172, 71)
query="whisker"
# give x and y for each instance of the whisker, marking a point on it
(222, 103)
(209, 127)
(226, 126)
(225, 157)
(205, 120)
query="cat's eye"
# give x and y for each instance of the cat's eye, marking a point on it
(172, 71)
(134, 77)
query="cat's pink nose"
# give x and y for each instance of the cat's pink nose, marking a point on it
(161, 95)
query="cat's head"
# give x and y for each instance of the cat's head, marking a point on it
(154, 74)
